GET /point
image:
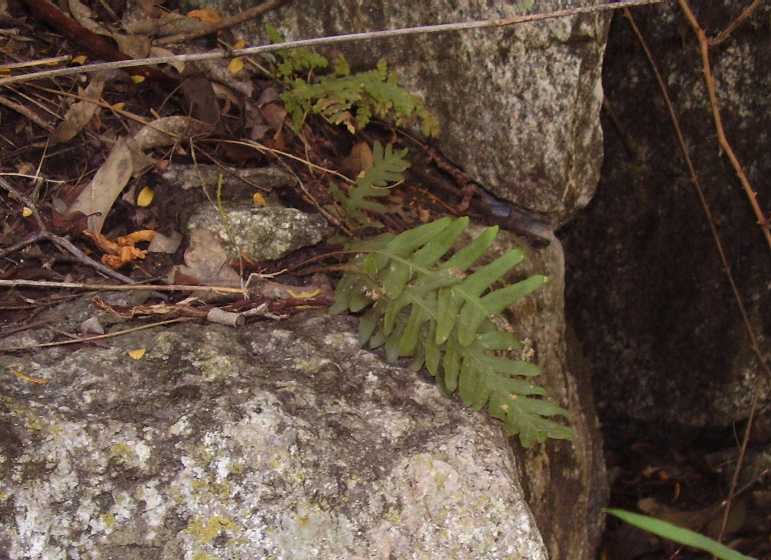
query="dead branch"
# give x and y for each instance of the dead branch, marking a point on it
(58, 240)
(741, 18)
(709, 80)
(322, 41)
(24, 111)
(96, 45)
(227, 22)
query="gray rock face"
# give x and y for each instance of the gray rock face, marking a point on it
(518, 106)
(261, 233)
(281, 440)
(565, 481)
(647, 291)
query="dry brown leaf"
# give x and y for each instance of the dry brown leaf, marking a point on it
(201, 99)
(206, 262)
(169, 130)
(268, 95)
(165, 243)
(80, 113)
(359, 160)
(274, 114)
(206, 15)
(135, 46)
(98, 197)
(150, 8)
(85, 17)
(160, 51)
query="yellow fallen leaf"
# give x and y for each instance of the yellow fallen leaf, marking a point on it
(30, 379)
(137, 79)
(258, 199)
(206, 15)
(304, 295)
(26, 212)
(80, 59)
(236, 65)
(145, 197)
(119, 106)
(137, 354)
(240, 44)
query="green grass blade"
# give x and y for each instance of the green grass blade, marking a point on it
(677, 534)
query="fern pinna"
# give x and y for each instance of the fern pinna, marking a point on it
(387, 168)
(418, 303)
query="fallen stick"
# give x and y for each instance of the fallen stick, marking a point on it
(321, 41)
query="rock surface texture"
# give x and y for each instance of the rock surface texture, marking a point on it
(565, 482)
(283, 440)
(647, 291)
(518, 106)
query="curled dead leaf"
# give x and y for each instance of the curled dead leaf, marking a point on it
(99, 195)
(85, 17)
(169, 130)
(359, 160)
(206, 262)
(80, 113)
(206, 15)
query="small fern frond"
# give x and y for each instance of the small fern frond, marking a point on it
(293, 62)
(387, 168)
(420, 303)
(350, 99)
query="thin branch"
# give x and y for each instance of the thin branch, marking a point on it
(96, 337)
(755, 346)
(709, 80)
(62, 242)
(225, 23)
(119, 287)
(321, 41)
(24, 111)
(741, 18)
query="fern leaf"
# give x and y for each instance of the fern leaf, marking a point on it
(387, 167)
(476, 310)
(425, 308)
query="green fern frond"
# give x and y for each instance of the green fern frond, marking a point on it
(387, 168)
(354, 99)
(419, 303)
(297, 61)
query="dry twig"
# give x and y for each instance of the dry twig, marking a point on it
(62, 242)
(709, 80)
(96, 337)
(321, 41)
(24, 111)
(741, 18)
(227, 22)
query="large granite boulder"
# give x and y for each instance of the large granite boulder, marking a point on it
(647, 291)
(281, 440)
(518, 106)
(285, 439)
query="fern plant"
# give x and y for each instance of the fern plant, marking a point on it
(386, 170)
(343, 98)
(419, 304)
